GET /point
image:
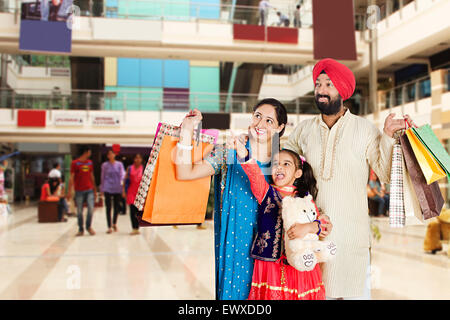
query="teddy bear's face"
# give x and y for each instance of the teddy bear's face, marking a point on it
(310, 214)
(302, 210)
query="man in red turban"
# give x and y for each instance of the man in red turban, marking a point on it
(342, 148)
(330, 74)
(339, 74)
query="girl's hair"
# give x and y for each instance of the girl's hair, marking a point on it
(280, 111)
(306, 183)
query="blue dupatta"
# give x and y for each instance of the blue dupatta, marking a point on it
(235, 224)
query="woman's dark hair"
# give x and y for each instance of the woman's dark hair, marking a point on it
(53, 183)
(138, 155)
(306, 183)
(112, 151)
(280, 111)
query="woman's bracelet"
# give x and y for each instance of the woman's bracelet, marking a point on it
(183, 147)
(318, 225)
(243, 160)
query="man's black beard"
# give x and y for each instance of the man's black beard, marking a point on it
(331, 108)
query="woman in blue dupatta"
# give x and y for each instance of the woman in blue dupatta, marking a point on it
(235, 207)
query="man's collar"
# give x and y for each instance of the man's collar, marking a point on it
(346, 115)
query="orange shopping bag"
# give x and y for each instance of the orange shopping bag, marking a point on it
(163, 199)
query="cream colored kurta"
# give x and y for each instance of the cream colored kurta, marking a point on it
(340, 158)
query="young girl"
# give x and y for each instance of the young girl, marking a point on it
(273, 278)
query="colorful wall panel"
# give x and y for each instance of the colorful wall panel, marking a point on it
(269, 34)
(134, 98)
(248, 32)
(176, 74)
(111, 8)
(150, 84)
(205, 9)
(282, 35)
(151, 73)
(134, 72)
(176, 98)
(205, 88)
(110, 71)
(137, 9)
(178, 10)
(128, 72)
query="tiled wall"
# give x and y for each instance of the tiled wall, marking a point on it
(151, 79)
(176, 10)
(151, 84)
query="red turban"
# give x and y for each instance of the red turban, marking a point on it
(341, 76)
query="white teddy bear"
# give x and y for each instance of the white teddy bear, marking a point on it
(304, 254)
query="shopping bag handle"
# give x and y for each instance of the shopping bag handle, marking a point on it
(407, 123)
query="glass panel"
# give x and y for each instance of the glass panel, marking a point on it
(410, 92)
(290, 106)
(447, 79)
(388, 99)
(398, 96)
(150, 99)
(308, 106)
(424, 88)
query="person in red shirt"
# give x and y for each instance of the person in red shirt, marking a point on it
(83, 181)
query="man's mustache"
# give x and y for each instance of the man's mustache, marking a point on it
(322, 96)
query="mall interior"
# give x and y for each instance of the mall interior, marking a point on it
(137, 63)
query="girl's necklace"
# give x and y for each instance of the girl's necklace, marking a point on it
(286, 189)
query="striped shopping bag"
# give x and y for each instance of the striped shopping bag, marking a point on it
(396, 202)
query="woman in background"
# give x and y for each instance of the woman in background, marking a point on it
(130, 187)
(112, 178)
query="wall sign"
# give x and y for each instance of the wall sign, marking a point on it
(67, 119)
(106, 121)
(31, 118)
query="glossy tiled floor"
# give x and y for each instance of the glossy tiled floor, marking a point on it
(47, 261)
(400, 268)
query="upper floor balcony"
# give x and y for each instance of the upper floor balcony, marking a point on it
(407, 34)
(71, 114)
(180, 30)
